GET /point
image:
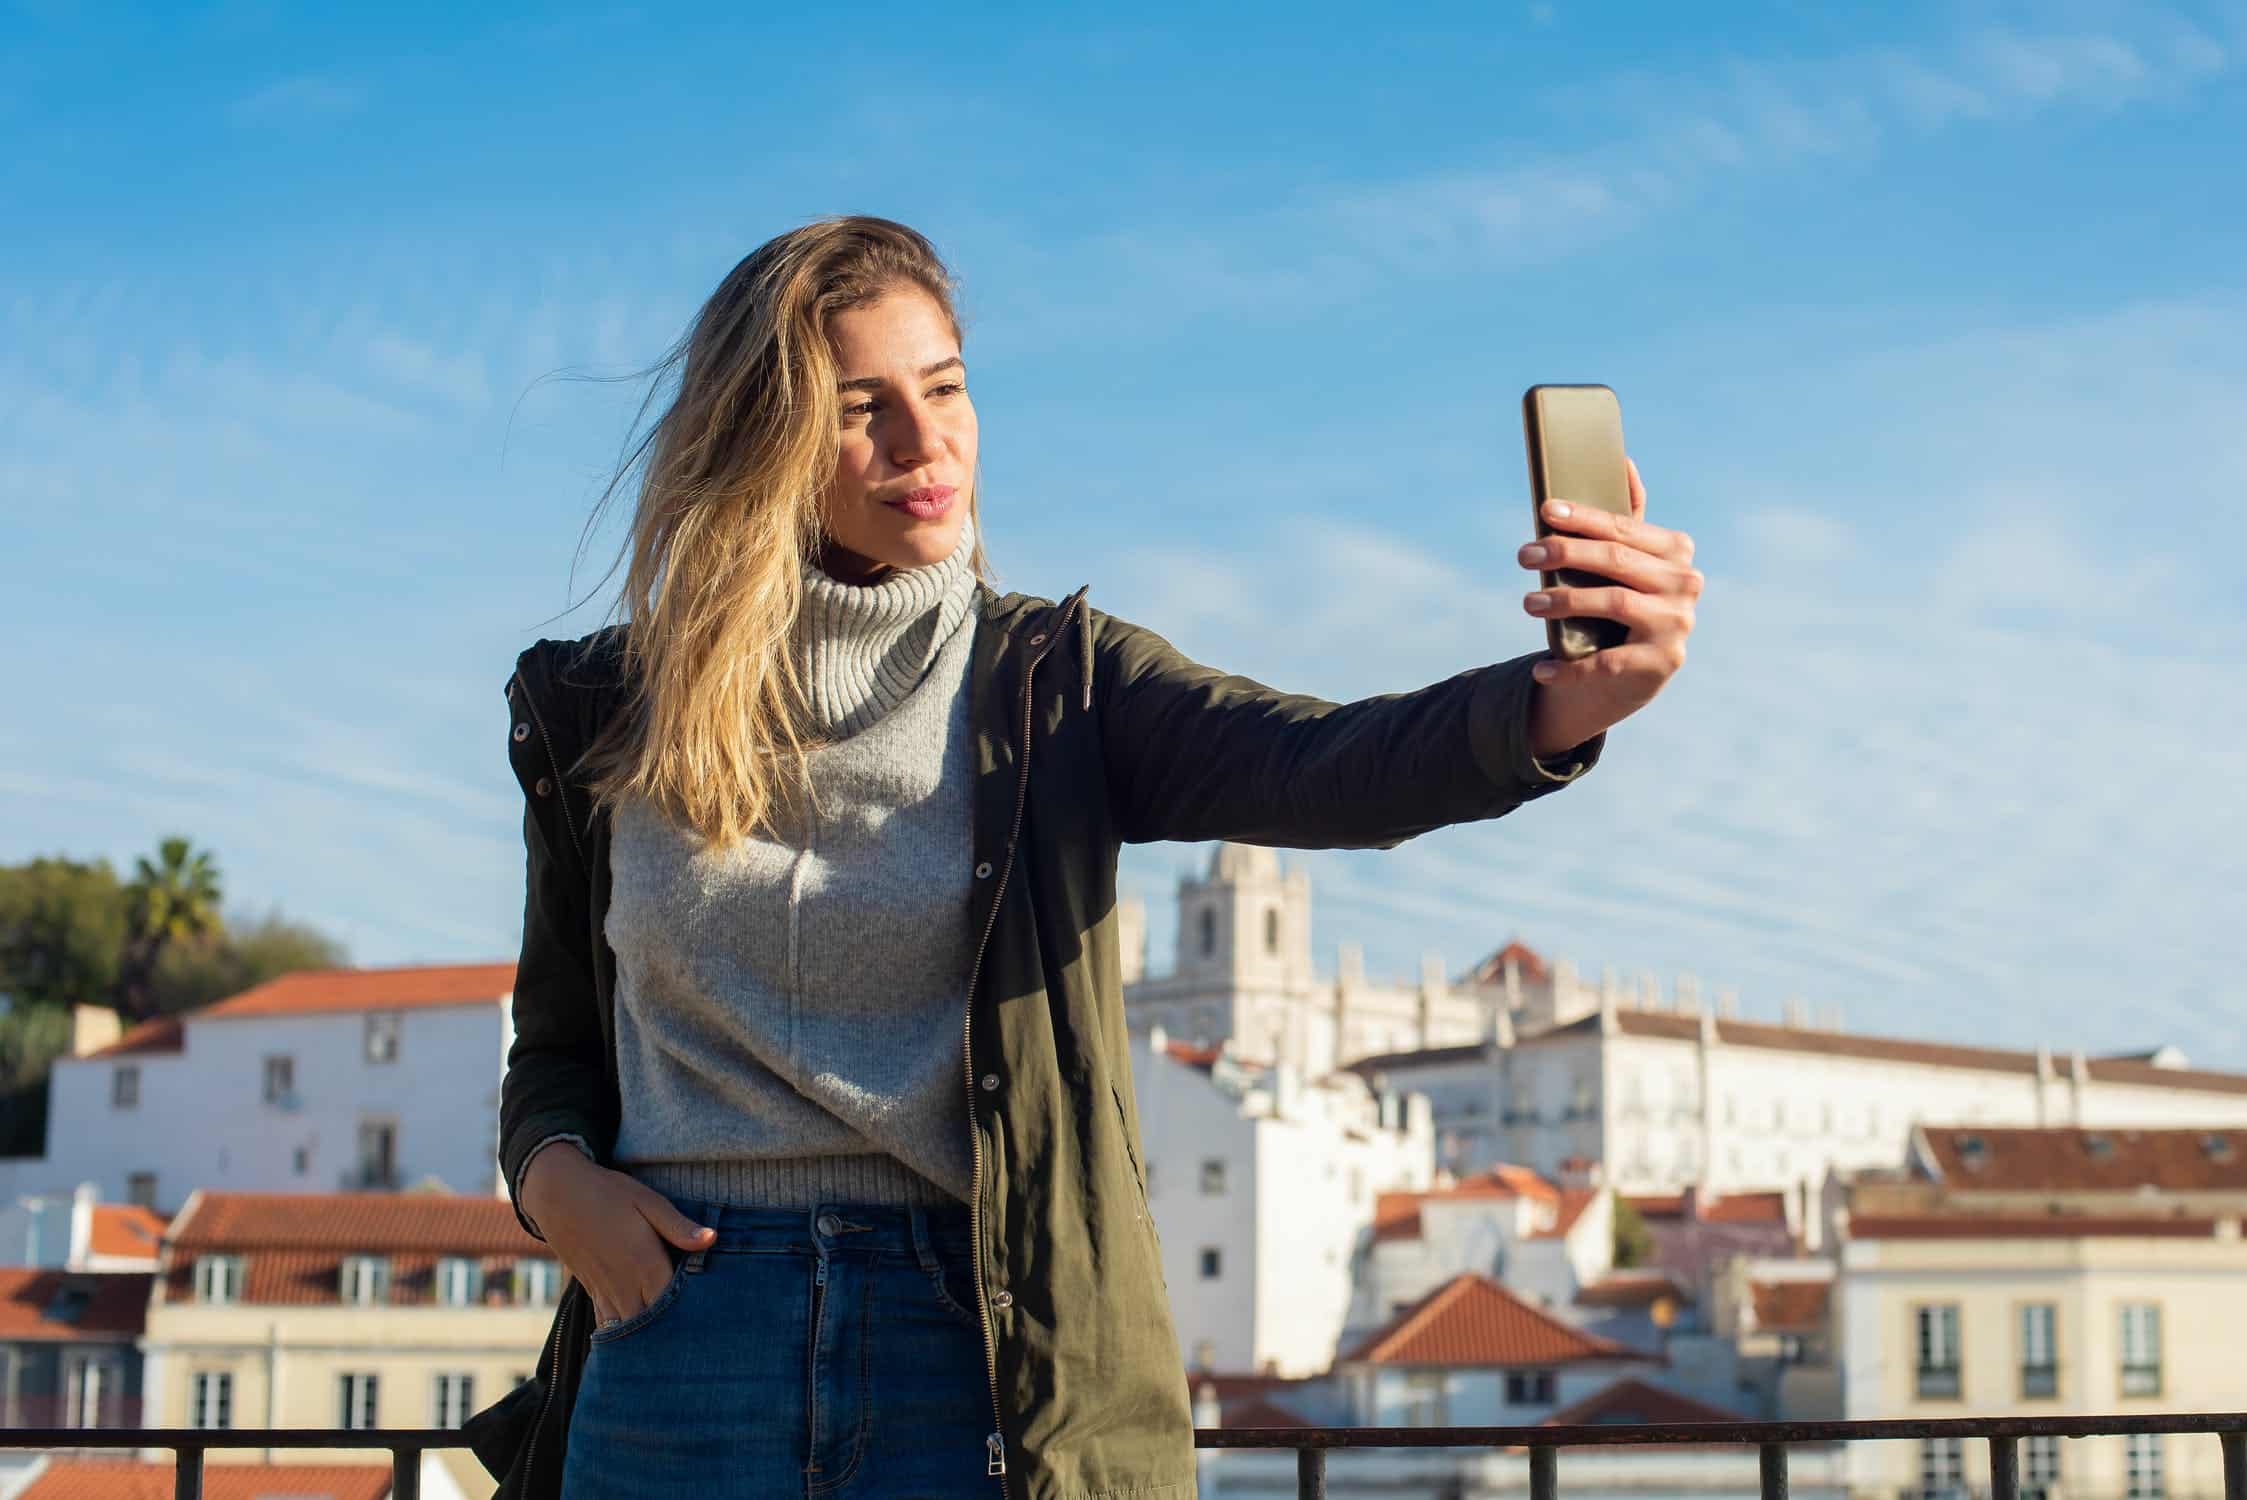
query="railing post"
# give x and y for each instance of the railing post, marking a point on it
(187, 1474)
(1310, 1474)
(2235, 1464)
(405, 1474)
(1771, 1459)
(1544, 1473)
(2005, 1468)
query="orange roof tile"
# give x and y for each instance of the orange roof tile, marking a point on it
(1396, 1216)
(1634, 1287)
(125, 1229)
(1633, 1401)
(1492, 970)
(1573, 1202)
(1745, 1208)
(163, 1034)
(1975, 1158)
(1970, 1226)
(441, 1223)
(119, 1479)
(1193, 1056)
(1472, 1320)
(40, 1302)
(1790, 1306)
(313, 991)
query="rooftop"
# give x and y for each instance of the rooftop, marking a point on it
(125, 1229)
(1472, 1320)
(1979, 1158)
(329, 991)
(42, 1303)
(1790, 1306)
(120, 1479)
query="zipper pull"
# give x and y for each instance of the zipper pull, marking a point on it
(995, 1444)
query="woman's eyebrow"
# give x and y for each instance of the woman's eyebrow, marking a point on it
(874, 382)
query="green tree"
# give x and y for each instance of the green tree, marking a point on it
(237, 956)
(62, 927)
(170, 900)
(1634, 1242)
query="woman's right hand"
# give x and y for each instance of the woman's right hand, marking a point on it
(607, 1228)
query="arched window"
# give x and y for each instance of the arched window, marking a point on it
(1271, 929)
(1209, 932)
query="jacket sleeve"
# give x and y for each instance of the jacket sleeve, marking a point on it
(556, 1080)
(1196, 754)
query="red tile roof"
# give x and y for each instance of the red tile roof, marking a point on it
(1634, 1401)
(1396, 1215)
(1969, 1226)
(99, 1304)
(118, 1479)
(1259, 1411)
(1472, 1320)
(1192, 1056)
(163, 1034)
(125, 1229)
(1745, 1208)
(1974, 1158)
(316, 991)
(1790, 1306)
(293, 1244)
(1573, 1202)
(1492, 970)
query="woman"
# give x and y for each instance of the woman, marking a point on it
(819, 1088)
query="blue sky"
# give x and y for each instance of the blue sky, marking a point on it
(1928, 322)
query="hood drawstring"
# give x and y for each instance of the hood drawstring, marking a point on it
(1084, 642)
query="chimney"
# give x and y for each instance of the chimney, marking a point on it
(1688, 994)
(1431, 973)
(1798, 1013)
(93, 1027)
(1649, 991)
(1513, 984)
(81, 1225)
(1610, 995)
(1830, 1015)
(1728, 1005)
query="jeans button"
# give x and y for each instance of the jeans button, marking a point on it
(1002, 1300)
(828, 1223)
(990, 1082)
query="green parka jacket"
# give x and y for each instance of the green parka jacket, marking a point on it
(1090, 733)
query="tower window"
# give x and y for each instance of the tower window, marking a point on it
(1209, 932)
(1271, 929)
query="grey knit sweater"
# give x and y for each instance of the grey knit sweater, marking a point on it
(790, 1012)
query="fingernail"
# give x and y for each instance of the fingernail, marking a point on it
(1538, 601)
(1557, 509)
(1533, 553)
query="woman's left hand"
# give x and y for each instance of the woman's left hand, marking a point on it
(1653, 592)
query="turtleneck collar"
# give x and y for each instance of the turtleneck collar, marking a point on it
(863, 647)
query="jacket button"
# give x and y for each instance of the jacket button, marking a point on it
(983, 870)
(522, 733)
(990, 1082)
(1038, 639)
(544, 786)
(1002, 1300)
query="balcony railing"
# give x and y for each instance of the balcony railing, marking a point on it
(1310, 1444)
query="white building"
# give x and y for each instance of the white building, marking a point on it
(1262, 1186)
(318, 1081)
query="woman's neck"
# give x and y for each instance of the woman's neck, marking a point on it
(845, 566)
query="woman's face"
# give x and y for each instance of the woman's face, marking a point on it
(907, 426)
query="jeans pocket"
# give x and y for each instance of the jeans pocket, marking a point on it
(618, 1328)
(943, 1277)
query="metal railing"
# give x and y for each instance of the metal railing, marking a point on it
(1310, 1444)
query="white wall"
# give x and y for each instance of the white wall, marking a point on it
(202, 1119)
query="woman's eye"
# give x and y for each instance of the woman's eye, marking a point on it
(863, 407)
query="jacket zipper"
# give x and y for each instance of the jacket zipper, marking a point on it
(553, 1382)
(994, 1446)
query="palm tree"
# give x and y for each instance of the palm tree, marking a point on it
(177, 897)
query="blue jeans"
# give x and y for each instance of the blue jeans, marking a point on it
(827, 1352)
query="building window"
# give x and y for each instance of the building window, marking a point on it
(211, 1399)
(2040, 1467)
(1529, 1387)
(1942, 1469)
(378, 1154)
(364, 1280)
(140, 1189)
(218, 1278)
(356, 1411)
(1213, 1176)
(382, 1036)
(2141, 1350)
(460, 1282)
(124, 1086)
(2141, 1466)
(1271, 929)
(91, 1388)
(1938, 1350)
(1424, 1392)
(303, 1161)
(1213, 1261)
(280, 1081)
(2040, 1368)
(534, 1282)
(1209, 932)
(452, 1399)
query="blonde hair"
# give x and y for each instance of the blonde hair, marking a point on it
(732, 479)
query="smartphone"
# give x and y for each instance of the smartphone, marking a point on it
(1574, 434)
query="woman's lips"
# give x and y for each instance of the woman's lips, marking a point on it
(927, 503)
